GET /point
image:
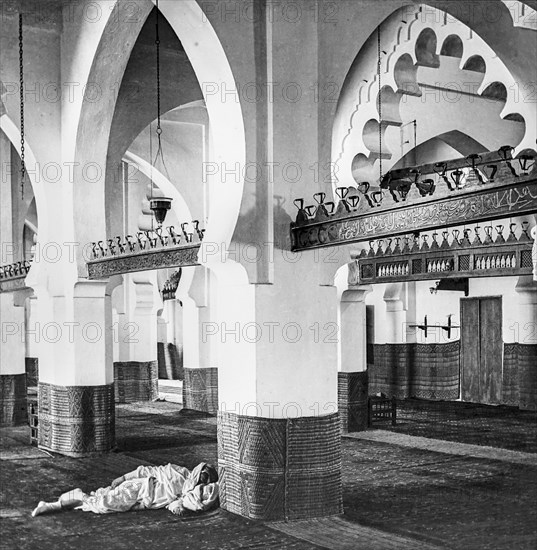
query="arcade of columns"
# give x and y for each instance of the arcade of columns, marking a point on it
(273, 341)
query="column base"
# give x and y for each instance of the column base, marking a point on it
(200, 389)
(352, 400)
(280, 469)
(76, 420)
(13, 410)
(135, 381)
(519, 384)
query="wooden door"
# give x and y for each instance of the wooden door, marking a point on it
(481, 349)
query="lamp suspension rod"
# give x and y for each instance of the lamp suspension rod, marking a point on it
(159, 127)
(157, 43)
(379, 101)
(21, 90)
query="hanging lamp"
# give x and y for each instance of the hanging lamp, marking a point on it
(159, 205)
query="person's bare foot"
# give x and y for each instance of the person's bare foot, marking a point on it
(44, 507)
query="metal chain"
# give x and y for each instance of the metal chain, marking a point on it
(151, 161)
(159, 127)
(379, 102)
(157, 42)
(21, 78)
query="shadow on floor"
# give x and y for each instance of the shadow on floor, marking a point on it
(493, 426)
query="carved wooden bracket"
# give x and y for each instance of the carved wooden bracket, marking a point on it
(13, 284)
(463, 191)
(13, 276)
(171, 256)
(154, 249)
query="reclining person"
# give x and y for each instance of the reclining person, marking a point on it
(146, 488)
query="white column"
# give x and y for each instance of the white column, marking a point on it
(115, 339)
(31, 319)
(411, 312)
(73, 335)
(526, 289)
(12, 355)
(6, 216)
(395, 313)
(191, 334)
(177, 336)
(169, 315)
(353, 342)
(207, 346)
(199, 323)
(137, 328)
(162, 329)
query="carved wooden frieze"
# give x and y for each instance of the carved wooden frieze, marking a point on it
(480, 187)
(417, 260)
(179, 256)
(482, 204)
(12, 276)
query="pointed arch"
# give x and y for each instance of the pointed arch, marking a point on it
(210, 64)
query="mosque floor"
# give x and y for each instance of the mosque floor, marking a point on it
(400, 492)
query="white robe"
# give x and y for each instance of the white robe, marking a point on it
(153, 487)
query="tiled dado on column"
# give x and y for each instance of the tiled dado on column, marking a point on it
(13, 409)
(352, 400)
(519, 386)
(136, 381)
(200, 389)
(76, 420)
(426, 371)
(277, 469)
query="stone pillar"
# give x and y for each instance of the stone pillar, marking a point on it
(411, 312)
(393, 357)
(395, 313)
(162, 329)
(177, 341)
(76, 392)
(200, 353)
(353, 376)
(13, 410)
(200, 384)
(169, 352)
(12, 364)
(32, 360)
(136, 372)
(279, 432)
(520, 358)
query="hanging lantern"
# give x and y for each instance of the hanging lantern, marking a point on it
(160, 206)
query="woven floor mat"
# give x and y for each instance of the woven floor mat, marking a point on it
(337, 533)
(447, 447)
(23, 453)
